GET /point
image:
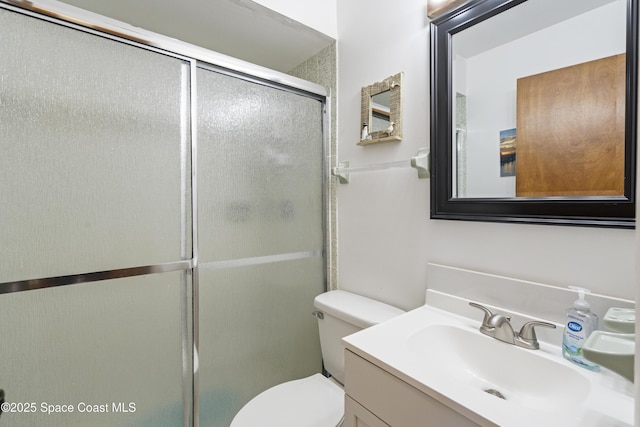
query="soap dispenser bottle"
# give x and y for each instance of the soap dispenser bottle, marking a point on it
(580, 322)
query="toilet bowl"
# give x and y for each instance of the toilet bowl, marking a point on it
(317, 401)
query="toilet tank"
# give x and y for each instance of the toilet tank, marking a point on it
(345, 313)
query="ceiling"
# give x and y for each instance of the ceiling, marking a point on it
(519, 21)
(239, 28)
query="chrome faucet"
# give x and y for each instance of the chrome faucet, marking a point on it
(499, 327)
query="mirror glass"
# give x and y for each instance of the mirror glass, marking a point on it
(380, 111)
(539, 121)
(541, 85)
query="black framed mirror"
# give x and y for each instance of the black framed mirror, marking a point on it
(534, 111)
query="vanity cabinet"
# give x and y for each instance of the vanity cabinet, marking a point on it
(376, 398)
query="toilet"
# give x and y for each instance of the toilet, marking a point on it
(318, 401)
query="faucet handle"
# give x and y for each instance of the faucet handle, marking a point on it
(487, 314)
(528, 333)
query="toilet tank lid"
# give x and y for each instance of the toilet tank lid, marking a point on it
(355, 309)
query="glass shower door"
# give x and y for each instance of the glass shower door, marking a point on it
(94, 253)
(260, 239)
(99, 301)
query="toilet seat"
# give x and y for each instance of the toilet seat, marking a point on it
(315, 401)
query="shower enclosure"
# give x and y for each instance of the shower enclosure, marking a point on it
(162, 228)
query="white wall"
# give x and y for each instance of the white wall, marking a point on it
(382, 216)
(385, 236)
(637, 283)
(317, 14)
(637, 359)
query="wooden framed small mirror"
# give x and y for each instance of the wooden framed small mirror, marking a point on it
(381, 111)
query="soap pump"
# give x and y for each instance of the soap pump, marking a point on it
(580, 322)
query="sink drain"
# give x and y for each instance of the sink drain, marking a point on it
(495, 392)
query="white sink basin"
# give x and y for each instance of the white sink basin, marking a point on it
(503, 370)
(445, 356)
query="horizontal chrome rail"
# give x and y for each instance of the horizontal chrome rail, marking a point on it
(73, 279)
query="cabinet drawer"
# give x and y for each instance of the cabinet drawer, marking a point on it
(356, 415)
(392, 400)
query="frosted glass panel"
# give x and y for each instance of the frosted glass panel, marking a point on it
(256, 331)
(259, 169)
(111, 344)
(260, 157)
(91, 135)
